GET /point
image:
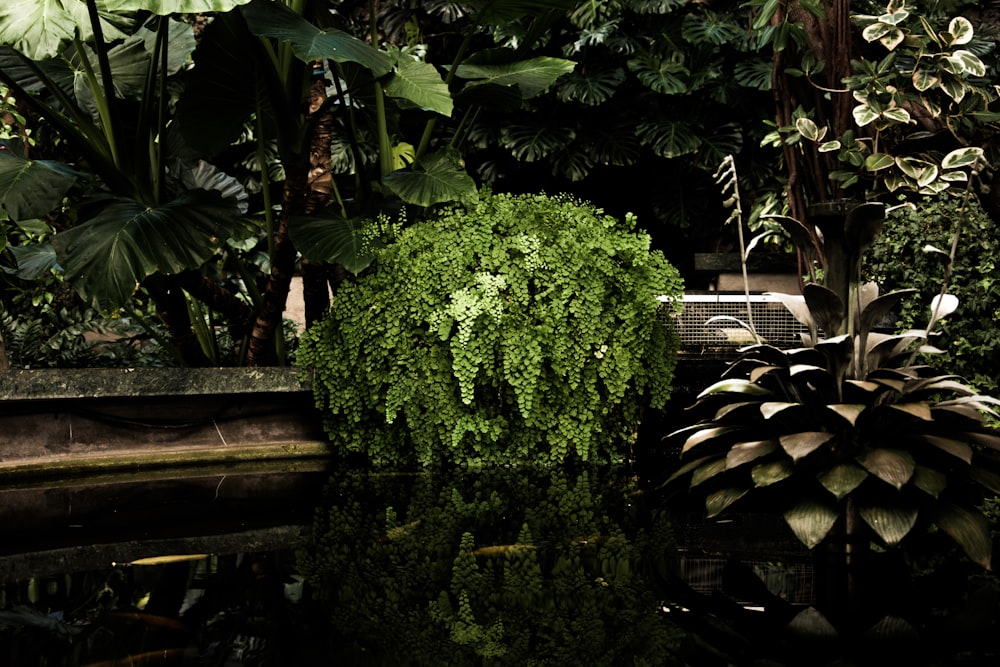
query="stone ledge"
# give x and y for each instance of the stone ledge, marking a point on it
(75, 383)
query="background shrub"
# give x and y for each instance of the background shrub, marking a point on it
(513, 329)
(897, 261)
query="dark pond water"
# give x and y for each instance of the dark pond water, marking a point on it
(308, 566)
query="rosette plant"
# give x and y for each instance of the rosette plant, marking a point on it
(852, 438)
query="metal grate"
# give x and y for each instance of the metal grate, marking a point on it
(774, 324)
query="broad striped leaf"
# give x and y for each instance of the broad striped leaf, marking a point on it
(890, 523)
(811, 521)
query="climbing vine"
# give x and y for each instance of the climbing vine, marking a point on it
(512, 329)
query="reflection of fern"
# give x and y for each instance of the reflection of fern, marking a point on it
(524, 566)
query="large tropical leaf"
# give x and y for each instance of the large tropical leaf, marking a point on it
(591, 87)
(167, 7)
(334, 239)
(32, 188)
(811, 521)
(215, 104)
(668, 138)
(532, 77)
(530, 143)
(309, 42)
(890, 522)
(32, 261)
(841, 479)
(107, 256)
(489, 12)
(421, 84)
(893, 466)
(970, 529)
(800, 445)
(40, 28)
(436, 178)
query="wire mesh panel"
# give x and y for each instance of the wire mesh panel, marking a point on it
(716, 321)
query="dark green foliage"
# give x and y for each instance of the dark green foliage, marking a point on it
(971, 347)
(493, 567)
(514, 329)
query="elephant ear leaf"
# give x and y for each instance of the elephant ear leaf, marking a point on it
(32, 188)
(106, 257)
(434, 179)
(334, 239)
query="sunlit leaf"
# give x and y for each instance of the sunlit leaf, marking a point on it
(719, 500)
(167, 560)
(929, 480)
(969, 529)
(811, 521)
(919, 409)
(766, 474)
(800, 445)
(436, 178)
(532, 77)
(960, 158)
(705, 435)
(893, 466)
(961, 31)
(772, 408)
(420, 83)
(168, 7)
(708, 471)
(745, 452)
(308, 41)
(891, 523)
(849, 411)
(957, 448)
(943, 305)
(735, 386)
(842, 479)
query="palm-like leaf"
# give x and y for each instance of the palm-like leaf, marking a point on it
(107, 256)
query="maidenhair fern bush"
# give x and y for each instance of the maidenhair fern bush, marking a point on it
(516, 329)
(851, 437)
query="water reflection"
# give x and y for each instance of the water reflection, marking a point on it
(492, 567)
(495, 567)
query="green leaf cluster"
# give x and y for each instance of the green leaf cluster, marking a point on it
(970, 349)
(510, 330)
(849, 436)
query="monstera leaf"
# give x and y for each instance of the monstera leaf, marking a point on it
(32, 188)
(436, 178)
(107, 256)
